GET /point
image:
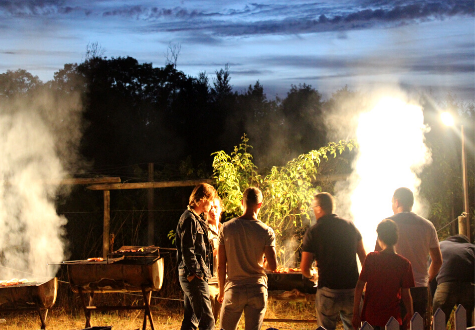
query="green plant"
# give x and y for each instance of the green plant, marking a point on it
(287, 190)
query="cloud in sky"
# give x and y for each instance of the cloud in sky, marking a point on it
(297, 38)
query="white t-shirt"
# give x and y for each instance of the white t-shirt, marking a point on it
(244, 241)
(416, 236)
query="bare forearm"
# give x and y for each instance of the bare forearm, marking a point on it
(434, 270)
(407, 300)
(358, 294)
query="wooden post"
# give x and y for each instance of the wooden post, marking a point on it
(466, 204)
(150, 192)
(460, 318)
(417, 323)
(462, 220)
(438, 321)
(392, 324)
(366, 326)
(107, 219)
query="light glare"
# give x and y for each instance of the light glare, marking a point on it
(391, 154)
(447, 118)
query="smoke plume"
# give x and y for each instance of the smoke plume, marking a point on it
(39, 136)
(389, 130)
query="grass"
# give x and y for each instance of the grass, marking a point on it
(165, 316)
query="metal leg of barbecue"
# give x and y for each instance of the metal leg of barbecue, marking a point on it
(87, 312)
(147, 297)
(43, 318)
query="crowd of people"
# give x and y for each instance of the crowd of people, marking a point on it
(222, 267)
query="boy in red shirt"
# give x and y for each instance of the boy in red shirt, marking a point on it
(388, 277)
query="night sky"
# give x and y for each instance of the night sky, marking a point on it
(414, 44)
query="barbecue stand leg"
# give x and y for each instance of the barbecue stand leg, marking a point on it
(87, 312)
(43, 319)
(147, 297)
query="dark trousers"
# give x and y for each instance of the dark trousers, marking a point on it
(420, 304)
(450, 294)
(198, 312)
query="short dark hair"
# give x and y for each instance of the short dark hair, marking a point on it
(405, 197)
(252, 196)
(388, 232)
(202, 191)
(325, 201)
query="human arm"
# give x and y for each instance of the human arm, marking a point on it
(221, 271)
(356, 304)
(270, 261)
(407, 300)
(306, 264)
(360, 251)
(436, 257)
(188, 231)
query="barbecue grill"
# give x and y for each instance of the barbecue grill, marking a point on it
(38, 296)
(129, 269)
(290, 281)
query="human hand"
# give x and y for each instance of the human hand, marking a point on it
(191, 277)
(220, 297)
(406, 322)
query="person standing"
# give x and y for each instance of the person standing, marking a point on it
(194, 258)
(417, 240)
(333, 243)
(214, 227)
(246, 249)
(455, 281)
(388, 278)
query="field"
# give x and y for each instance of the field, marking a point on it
(165, 316)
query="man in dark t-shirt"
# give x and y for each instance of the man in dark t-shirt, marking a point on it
(333, 243)
(455, 281)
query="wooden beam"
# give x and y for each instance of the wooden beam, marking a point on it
(148, 185)
(90, 180)
(150, 195)
(107, 220)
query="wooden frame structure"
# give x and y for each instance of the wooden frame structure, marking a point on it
(107, 187)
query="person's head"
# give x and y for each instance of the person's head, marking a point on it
(216, 209)
(323, 204)
(252, 198)
(459, 238)
(388, 232)
(403, 200)
(201, 197)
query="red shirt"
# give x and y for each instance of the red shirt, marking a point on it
(385, 274)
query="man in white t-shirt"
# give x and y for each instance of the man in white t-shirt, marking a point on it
(417, 241)
(246, 249)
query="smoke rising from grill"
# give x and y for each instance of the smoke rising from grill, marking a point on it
(391, 154)
(39, 136)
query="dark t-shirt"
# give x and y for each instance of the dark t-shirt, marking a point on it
(385, 274)
(458, 263)
(333, 242)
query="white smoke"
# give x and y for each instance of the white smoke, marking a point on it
(32, 139)
(391, 154)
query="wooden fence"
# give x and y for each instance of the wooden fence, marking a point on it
(438, 322)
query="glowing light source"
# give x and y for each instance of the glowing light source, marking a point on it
(391, 154)
(447, 118)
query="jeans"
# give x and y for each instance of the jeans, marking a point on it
(215, 304)
(198, 313)
(252, 299)
(330, 303)
(450, 294)
(420, 304)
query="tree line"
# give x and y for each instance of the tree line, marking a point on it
(135, 113)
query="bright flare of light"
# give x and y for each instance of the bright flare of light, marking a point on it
(447, 118)
(391, 154)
